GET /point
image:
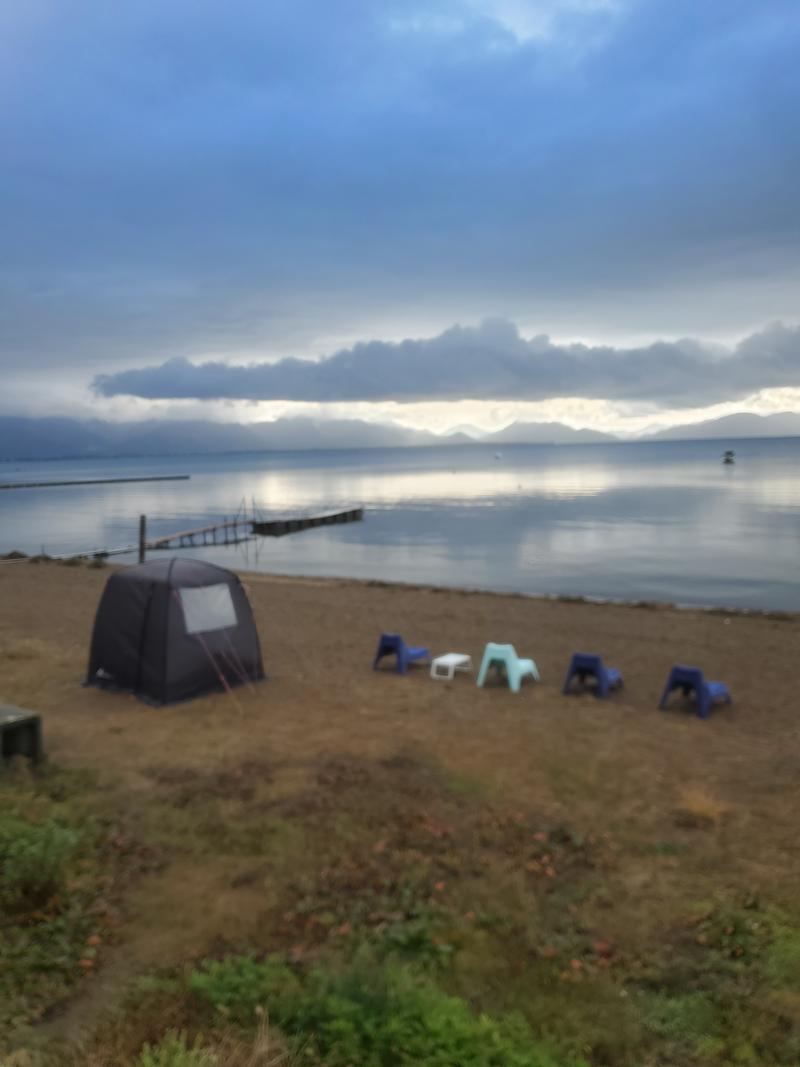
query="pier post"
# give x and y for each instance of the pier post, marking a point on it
(142, 536)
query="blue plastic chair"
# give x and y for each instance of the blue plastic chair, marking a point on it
(394, 645)
(585, 665)
(506, 661)
(690, 681)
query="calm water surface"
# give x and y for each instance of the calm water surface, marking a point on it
(662, 521)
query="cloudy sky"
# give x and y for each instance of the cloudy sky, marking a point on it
(460, 211)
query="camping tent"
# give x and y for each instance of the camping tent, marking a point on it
(174, 629)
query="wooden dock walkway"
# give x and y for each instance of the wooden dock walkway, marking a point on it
(280, 527)
(228, 532)
(236, 531)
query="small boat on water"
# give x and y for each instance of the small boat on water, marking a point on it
(729, 458)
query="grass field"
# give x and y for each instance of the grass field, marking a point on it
(347, 867)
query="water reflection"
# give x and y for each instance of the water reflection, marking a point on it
(635, 522)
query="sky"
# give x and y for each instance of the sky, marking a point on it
(440, 213)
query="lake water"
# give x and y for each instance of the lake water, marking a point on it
(658, 521)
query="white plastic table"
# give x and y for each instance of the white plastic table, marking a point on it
(445, 667)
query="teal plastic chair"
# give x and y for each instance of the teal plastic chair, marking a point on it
(505, 660)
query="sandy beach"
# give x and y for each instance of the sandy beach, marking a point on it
(322, 697)
(720, 793)
(318, 639)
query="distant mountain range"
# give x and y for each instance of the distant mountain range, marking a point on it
(544, 433)
(60, 438)
(784, 424)
(57, 438)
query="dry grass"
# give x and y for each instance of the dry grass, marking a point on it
(266, 1050)
(698, 809)
(330, 784)
(26, 648)
(226, 1048)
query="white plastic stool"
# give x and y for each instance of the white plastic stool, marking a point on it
(445, 667)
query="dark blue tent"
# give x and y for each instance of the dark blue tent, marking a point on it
(174, 629)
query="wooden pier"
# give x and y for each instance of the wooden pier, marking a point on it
(280, 527)
(230, 532)
(236, 531)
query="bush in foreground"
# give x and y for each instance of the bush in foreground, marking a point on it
(49, 867)
(34, 859)
(388, 1018)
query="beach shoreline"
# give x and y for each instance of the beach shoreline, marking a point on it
(15, 557)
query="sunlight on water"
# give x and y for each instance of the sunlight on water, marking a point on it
(664, 521)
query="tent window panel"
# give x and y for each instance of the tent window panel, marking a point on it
(209, 607)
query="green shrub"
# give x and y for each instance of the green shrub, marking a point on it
(33, 860)
(782, 964)
(379, 1020)
(390, 1018)
(238, 985)
(173, 1051)
(683, 1019)
(50, 864)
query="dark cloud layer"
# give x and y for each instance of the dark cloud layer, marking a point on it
(197, 176)
(491, 361)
